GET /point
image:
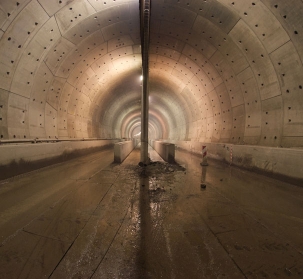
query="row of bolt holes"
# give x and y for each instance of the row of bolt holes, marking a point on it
(110, 20)
(245, 13)
(74, 129)
(36, 23)
(19, 46)
(73, 62)
(24, 136)
(276, 6)
(287, 91)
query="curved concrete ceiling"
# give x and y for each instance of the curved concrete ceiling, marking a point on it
(220, 70)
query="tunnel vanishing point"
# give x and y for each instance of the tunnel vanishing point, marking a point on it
(78, 76)
(226, 74)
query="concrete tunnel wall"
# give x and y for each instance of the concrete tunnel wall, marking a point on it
(221, 71)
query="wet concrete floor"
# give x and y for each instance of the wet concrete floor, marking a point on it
(91, 218)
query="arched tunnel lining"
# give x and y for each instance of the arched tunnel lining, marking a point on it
(225, 72)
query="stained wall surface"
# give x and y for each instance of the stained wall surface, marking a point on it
(221, 71)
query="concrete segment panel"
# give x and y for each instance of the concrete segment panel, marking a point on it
(71, 126)
(221, 40)
(217, 128)
(262, 21)
(26, 24)
(209, 128)
(51, 7)
(4, 95)
(42, 82)
(55, 91)
(287, 63)
(166, 53)
(62, 124)
(37, 117)
(213, 11)
(184, 71)
(103, 5)
(227, 121)
(120, 29)
(16, 38)
(272, 114)
(166, 69)
(180, 75)
(116, 43)
(258, 59)
(85, 78)
(238, 125)
(88, 27)
(223, 97)
(115, 14)
(9, 10)
(219, 15)
(73, 102)
(177, 15)
(73, 13)
(32, 57)
(249, 88)
(185, 34)
(161, 40)
(24, 76)
(189, 63)
(58, 53)
(51, 126)
(165, 61)
(289, 14)
(75, 56)
(229, 78)
(18, 116)
(65, 97)
(214, 102)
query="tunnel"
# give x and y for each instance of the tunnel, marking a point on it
(223, 74)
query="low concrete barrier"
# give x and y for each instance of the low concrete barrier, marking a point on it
(165, 150)
(276, 161)
(23, 157)
(123, 149)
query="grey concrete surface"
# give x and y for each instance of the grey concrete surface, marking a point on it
(17, 158)
(226, 74)
(123, 149)
(164, 149)
(91, 218)
(283, 162)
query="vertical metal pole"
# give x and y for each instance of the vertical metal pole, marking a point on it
(144, 120)
(145, 19)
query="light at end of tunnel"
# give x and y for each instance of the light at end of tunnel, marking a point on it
(141, 78)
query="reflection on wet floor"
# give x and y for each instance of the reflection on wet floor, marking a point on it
(91, 218)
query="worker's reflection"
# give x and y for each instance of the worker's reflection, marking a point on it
(145, 225)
